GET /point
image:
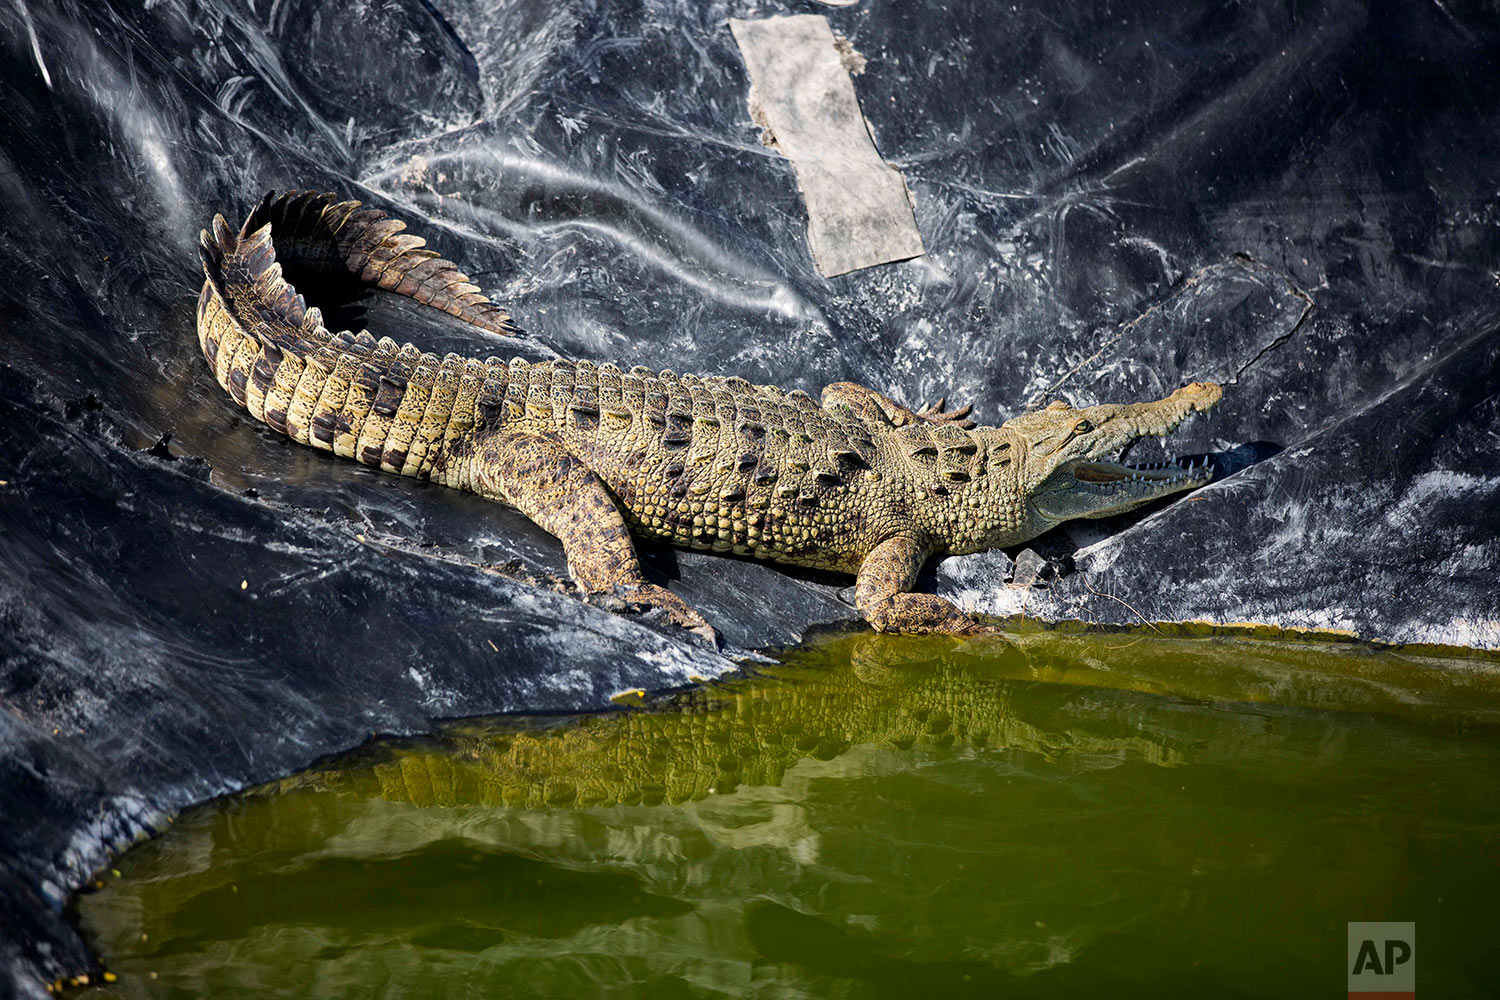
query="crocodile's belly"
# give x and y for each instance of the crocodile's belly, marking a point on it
(823, 537)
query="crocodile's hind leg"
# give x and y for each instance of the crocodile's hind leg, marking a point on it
(536, 473)
(883, 593)
(878, 408)
(938, 413)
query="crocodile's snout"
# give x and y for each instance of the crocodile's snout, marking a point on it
(1081, 472)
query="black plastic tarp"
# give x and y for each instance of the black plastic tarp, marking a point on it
(1298, 200)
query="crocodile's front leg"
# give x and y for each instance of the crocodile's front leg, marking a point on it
(883, 593)
(877, 408)
(537, 474)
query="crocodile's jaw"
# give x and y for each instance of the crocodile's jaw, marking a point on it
(1101, 489)
(1070, 469)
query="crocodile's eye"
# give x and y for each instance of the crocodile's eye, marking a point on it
(1082, 427)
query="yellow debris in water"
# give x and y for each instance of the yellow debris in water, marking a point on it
(110, 977)
(244, 584)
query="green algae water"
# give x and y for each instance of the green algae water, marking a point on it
(1068, 815)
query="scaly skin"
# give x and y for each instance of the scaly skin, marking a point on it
(595, 454)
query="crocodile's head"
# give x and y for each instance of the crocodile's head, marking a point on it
(1070, 466)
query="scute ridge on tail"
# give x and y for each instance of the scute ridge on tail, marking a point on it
(316, 231)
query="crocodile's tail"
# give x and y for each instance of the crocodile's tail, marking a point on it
(386, 405)
(340, 241)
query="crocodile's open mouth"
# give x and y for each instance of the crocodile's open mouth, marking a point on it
(1183, 472)
(1085, 449)
(1094, 488)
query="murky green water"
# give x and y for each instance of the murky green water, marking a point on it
(1110, 816)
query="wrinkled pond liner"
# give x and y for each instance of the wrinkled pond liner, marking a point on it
(1297, 201)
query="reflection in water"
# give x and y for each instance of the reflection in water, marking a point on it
(874, 817)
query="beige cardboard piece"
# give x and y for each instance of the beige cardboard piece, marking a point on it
(858, 209)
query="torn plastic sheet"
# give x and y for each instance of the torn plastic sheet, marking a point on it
(858, 209)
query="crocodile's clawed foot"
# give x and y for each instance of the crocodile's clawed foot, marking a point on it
(679, 612)
(920, 614)
(937, 413)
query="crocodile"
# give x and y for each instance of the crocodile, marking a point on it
(598, 455)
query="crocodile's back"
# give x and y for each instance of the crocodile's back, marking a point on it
(697, 461)
(716, 463)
